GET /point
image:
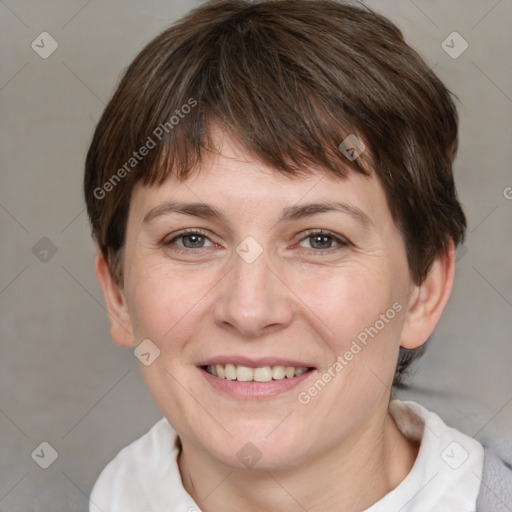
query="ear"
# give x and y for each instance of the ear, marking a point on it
(428, 300)
(120, 322)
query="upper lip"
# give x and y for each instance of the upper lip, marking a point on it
(254, 362)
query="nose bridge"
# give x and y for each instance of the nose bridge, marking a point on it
(252, 298)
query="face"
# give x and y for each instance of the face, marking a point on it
(305, 304)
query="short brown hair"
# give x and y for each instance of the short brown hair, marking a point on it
(291, 80)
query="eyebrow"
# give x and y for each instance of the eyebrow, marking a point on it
(295, 212)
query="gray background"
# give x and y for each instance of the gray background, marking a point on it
(62, 379)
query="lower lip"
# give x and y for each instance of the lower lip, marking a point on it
(253, 389)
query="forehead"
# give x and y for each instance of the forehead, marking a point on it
(229, 178)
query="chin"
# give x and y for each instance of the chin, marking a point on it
(259, 450)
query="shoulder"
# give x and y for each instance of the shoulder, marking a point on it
(491, 472)
(128, 481)
(496, 488)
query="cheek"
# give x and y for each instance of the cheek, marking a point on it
(167, 307)
(359, 314)
(165, 303)
(346, 302)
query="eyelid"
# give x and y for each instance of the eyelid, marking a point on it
(341, 241)
(311, 232)
(174, 236)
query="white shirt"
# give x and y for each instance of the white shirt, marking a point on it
(446, 476)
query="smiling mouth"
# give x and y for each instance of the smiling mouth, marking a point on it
(262, 374)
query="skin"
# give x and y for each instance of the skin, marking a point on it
(291, 302)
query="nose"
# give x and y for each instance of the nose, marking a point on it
(253, 300)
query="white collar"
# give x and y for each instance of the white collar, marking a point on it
(446, 475)
(145, 476)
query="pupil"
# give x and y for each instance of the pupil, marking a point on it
(320, 237)
(193, 244)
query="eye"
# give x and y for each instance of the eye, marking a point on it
(191, 239)
(322, 241)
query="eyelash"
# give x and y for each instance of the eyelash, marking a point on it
(342, 242)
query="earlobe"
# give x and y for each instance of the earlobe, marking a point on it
(120, 322)
(428, 300)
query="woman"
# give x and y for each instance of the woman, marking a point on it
(272, 196)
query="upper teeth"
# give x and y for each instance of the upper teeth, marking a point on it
(262, 374)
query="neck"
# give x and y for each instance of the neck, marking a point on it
(336, 480)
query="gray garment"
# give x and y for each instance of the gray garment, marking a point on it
(496, 488)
